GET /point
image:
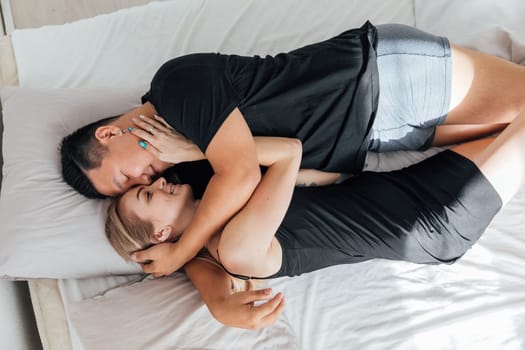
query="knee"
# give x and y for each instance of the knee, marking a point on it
(521, 90)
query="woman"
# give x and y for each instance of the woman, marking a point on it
(363, 90)
(431, 212)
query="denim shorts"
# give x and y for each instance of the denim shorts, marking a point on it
(415, 71)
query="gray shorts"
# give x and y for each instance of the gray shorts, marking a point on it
(415, 71)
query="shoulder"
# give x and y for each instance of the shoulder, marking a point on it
(193, 63)
(190, 74)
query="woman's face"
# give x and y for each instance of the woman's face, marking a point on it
(161, 203)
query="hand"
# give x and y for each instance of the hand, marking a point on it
(168, 145)
(160, 260)
(238, 309)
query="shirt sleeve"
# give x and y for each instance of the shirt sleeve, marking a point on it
(194, 94)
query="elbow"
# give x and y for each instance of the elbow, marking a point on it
(247, 178)
(254, 177)
(294, 148)
(297, 146)
(240, 179)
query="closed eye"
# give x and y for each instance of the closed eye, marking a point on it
(147, 193)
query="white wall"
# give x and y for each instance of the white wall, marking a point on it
(17, 324)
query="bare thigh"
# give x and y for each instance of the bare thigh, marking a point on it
(501, 159)
(485, 89)
(451, 134)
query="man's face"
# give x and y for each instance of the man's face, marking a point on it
(125, 165)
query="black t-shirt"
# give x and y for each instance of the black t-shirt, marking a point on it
(324, 94)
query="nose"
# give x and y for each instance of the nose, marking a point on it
(140, 175)
(160, 183)
(139, 180)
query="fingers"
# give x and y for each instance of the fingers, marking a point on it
(148, 268)
(274, 314)
(269, 307)
(161, 120)
(150, 144)
(156, 260)
(151, 269)
(266, 314)
(140, 256)
(255, 295)
(150, 124)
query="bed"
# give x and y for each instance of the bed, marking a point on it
(85, 297)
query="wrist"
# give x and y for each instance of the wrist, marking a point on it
(195, 152)
(179, 254)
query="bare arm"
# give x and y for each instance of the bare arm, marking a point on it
(312, 177)
(234, 309)
(247, 245)
(233, 157)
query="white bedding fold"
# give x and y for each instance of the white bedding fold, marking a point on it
(128, 46)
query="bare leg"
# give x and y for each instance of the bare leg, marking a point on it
(452, 134)
(501, 159)
(485, 90)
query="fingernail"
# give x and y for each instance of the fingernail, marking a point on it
(130, 129)
(141, 116)
(267, 291)
(143, 144)
(133, 257)
(134, 119)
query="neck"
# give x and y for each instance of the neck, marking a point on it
(184, 220)
(125, 121)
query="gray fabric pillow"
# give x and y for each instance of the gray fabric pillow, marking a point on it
(49, 230)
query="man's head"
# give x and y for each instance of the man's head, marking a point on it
(104, 159)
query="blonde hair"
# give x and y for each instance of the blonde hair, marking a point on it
(128, 233)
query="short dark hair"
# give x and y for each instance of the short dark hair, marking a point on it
(80, 151)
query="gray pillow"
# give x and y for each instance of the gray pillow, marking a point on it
(49, 230)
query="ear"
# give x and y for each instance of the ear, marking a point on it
(105, 132)
(161, 235)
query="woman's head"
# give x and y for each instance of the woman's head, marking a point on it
(147, 215)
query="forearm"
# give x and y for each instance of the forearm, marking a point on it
(225, 195)
(246, 246)
(312, 177)
(271, 149)
(213, 283)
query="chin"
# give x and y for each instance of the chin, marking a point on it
(188, 188)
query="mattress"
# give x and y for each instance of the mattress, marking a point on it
(478, 302)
